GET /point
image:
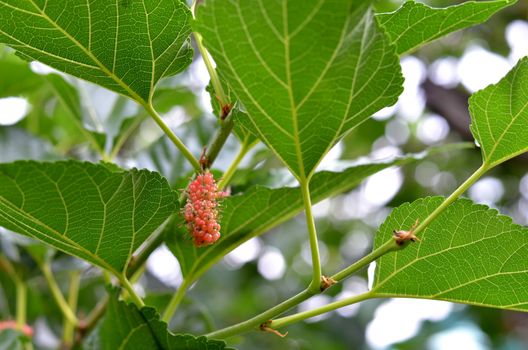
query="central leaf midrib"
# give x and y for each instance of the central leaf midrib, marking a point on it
(298, 150)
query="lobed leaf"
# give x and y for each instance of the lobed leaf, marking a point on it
(306, 73)
(415, 24)
(125, 46)
(469, 254)
(499, 116)
(84, 209)
(126, 327)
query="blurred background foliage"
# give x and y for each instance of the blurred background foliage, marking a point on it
(45, 115)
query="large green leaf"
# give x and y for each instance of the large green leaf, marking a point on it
(499, 116)
(415, 24)
(469, 254)
(306, 72)
(126, 327)
(260, 209)
(84, 209)
(125, 46)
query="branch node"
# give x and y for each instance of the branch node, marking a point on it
(265, 327)
(204, 161)
(326, 282)
(402, 236)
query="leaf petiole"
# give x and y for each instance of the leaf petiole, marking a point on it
(123, 280)
(177, 142)
(314, 245)
(215, 80)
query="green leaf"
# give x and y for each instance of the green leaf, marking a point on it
(499, 115)
(84, 209)
(126, 327)
(260, 209)
(415, 24)
(469, 254)
(17, 77)
(306, 73)
(125, 46)
(69, 97)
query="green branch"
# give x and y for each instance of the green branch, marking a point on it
(21, 303)
(175, 301)
(73, 295)
(284, 321)
(67, 312)
(266, 317)
(219, 139)
(453, 197)
(387, 247)
(263, 318)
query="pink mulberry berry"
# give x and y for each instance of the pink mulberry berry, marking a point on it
(201, 209)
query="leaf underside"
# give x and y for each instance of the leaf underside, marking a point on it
(499, 116)
(125, 46)
(469, 254)
(306, 73)
(84, 209)
(415, 24)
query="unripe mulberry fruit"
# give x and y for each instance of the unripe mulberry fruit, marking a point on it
(201, 209)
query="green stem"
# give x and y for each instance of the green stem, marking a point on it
(67, 312)
(217, 85)
(21, 303)
(244, 148)
(175, 301)
(266, 316)
(130, 289)
(315, 285)
(284, 321)
(387, 247)
(453, 197)
(219, 140)
(262, 318)
(177, 142)
(73, 295)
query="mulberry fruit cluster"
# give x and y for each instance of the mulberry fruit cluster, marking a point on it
(201, 210)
